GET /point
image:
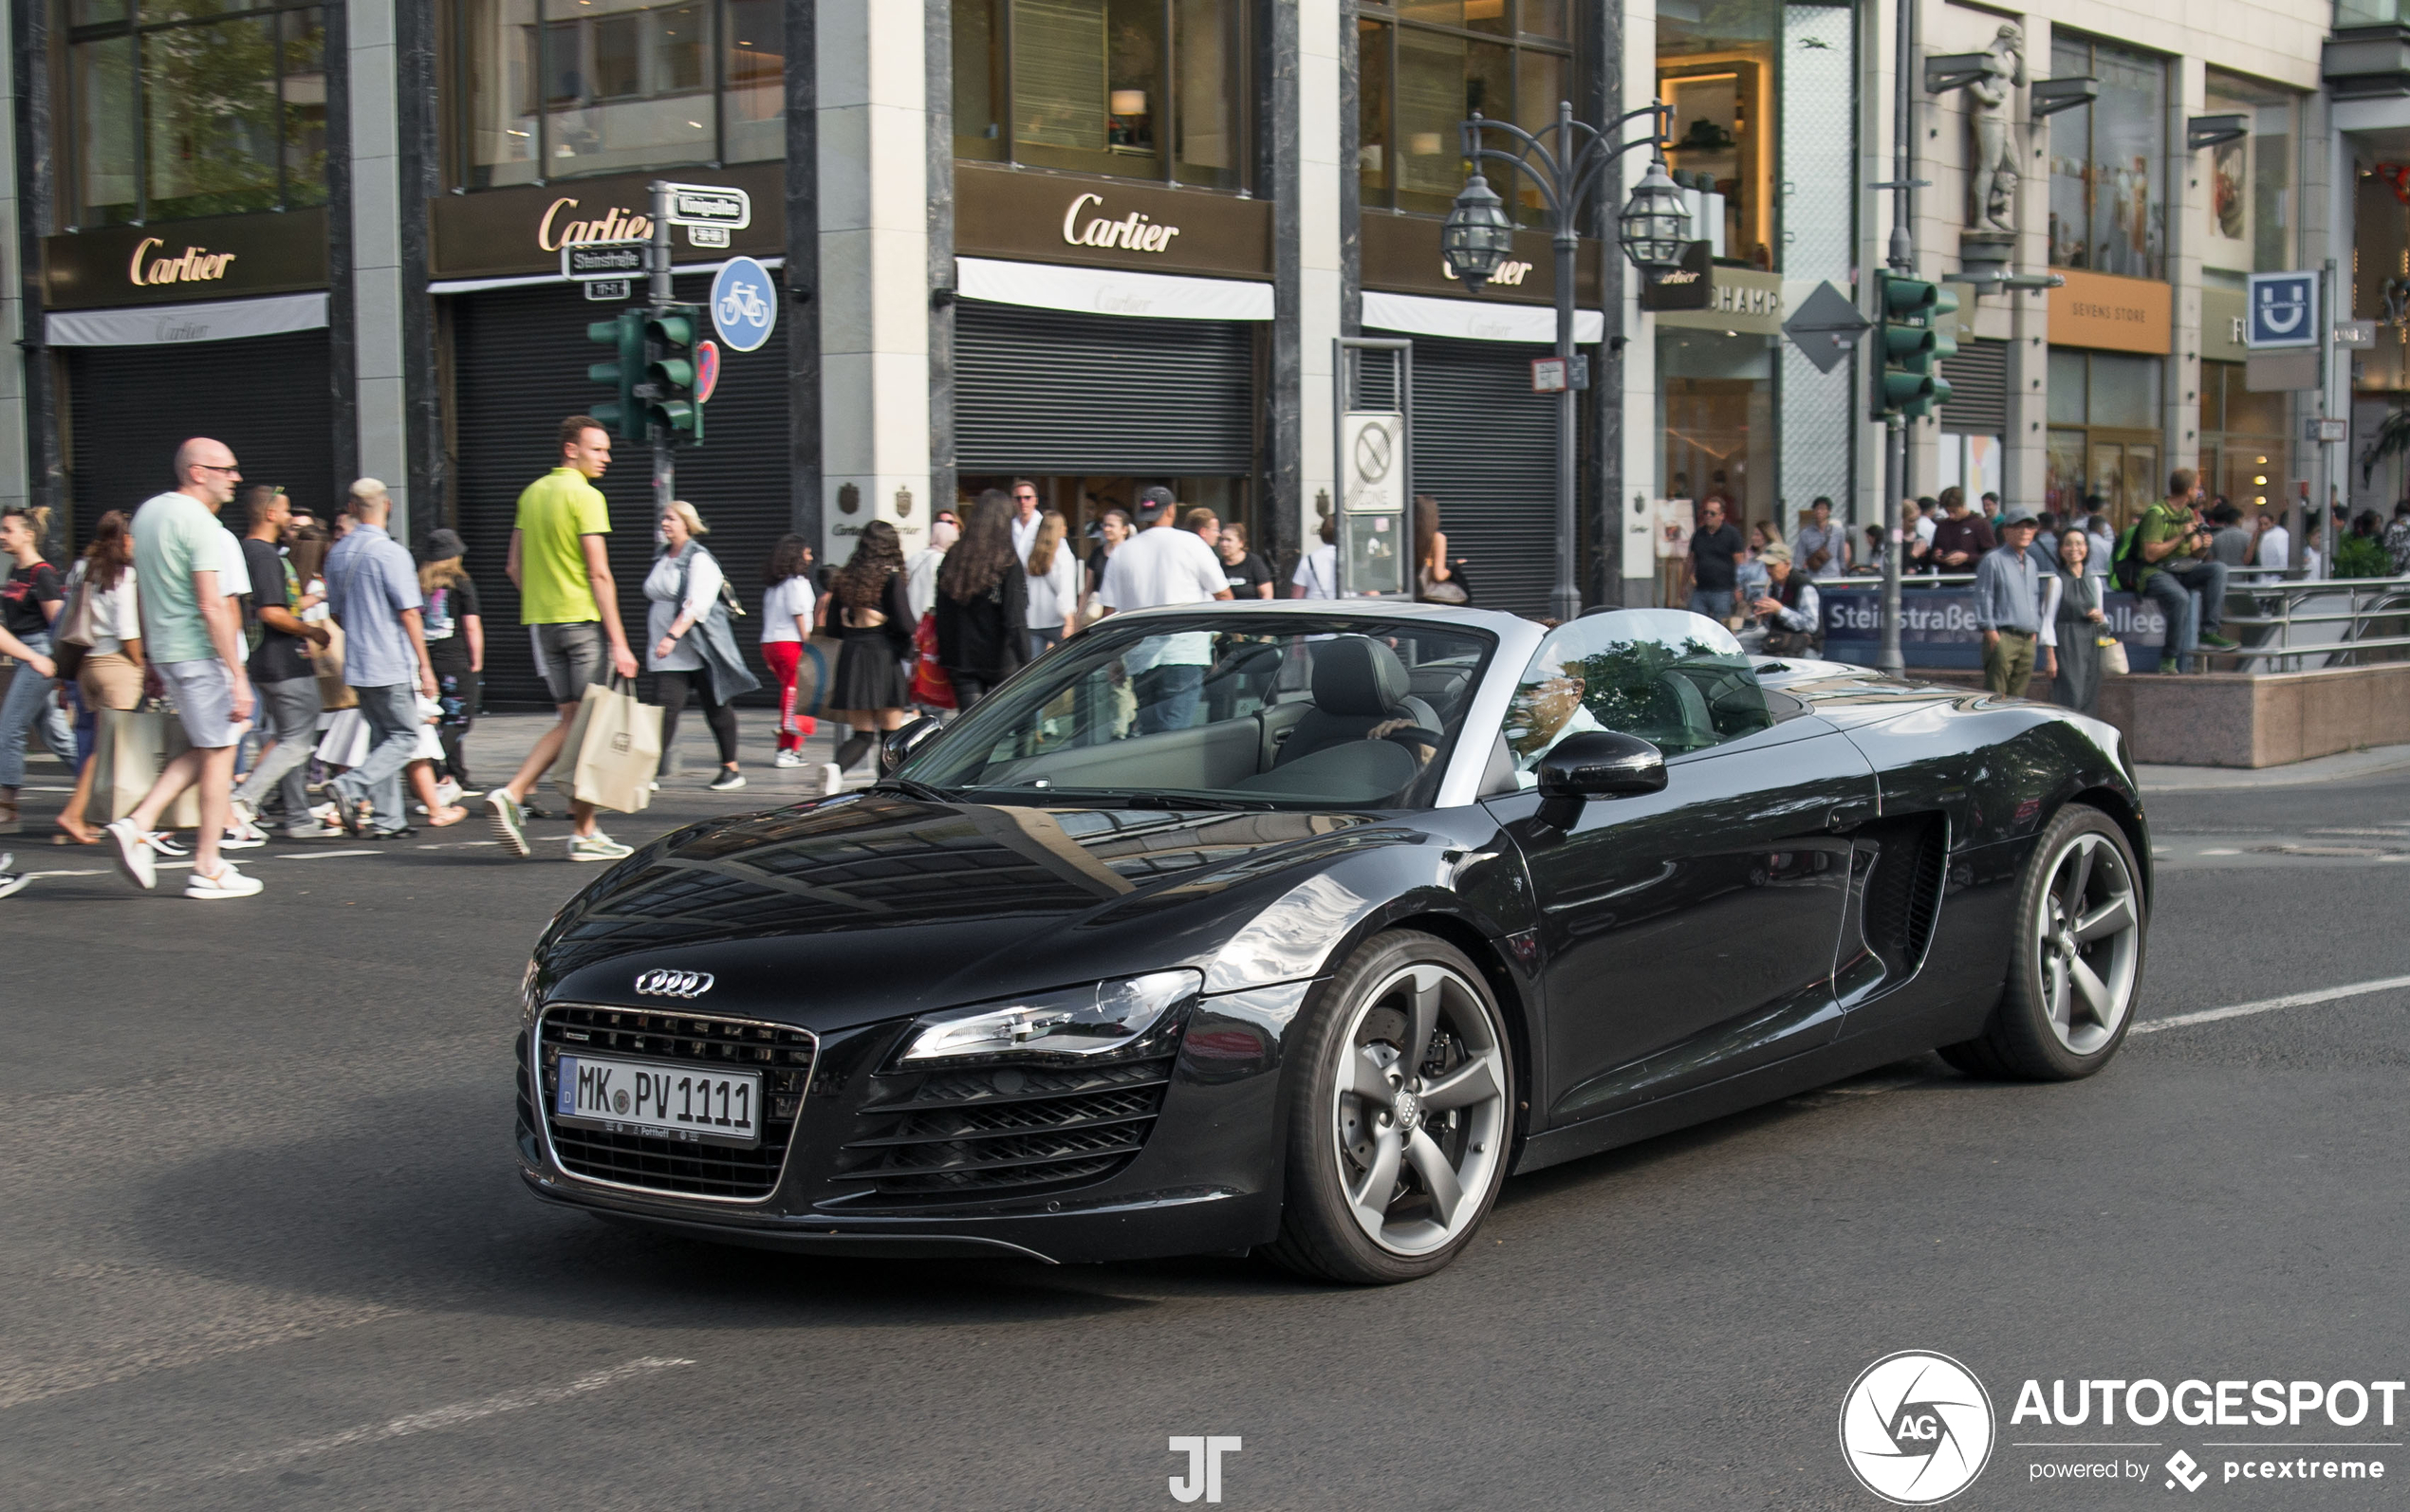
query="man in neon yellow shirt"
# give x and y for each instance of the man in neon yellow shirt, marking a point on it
(569, 604)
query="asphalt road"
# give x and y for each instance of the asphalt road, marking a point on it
(264, 1246)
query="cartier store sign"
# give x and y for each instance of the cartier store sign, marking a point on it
(1030, 215)
(498, 233)
(1401, 256)
(183, 261)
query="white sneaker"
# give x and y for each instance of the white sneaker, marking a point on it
(237, 838)
(598, 847)
(788, 758)
(832, 778)
(134, 855)
(446, 793)
(227, 883)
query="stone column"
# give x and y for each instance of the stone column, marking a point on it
(14, 295)
(2025, 458)
(2188, 201)
(873, 297)
(374, 269)
(1644, 428)
(37, 475)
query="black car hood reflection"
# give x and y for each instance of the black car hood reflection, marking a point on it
(910, 905)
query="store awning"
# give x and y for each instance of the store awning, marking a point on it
(1109, 291)
(179, 324)
(1474, 321)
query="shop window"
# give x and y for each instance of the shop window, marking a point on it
(2105, 451)
(566, 88)
(1134, 88)
(2244, 441)
(1424, 66)
(1715, 410)
(2251, 200)
(2108, 162)
(176, 111)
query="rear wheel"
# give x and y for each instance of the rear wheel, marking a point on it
(2078, 959)
(1400, 1128)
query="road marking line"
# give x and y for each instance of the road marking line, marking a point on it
(454, 1416)
(97, 870)
(321, 855)
(2297, 1000)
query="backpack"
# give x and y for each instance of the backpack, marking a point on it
(2125, 562)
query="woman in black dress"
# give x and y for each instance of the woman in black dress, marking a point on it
(2074, 621)
(869, 611)
(983, 598)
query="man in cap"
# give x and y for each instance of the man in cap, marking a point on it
(2007, 604)
(1164, 565)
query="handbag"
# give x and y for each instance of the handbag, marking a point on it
(1448, 591)
(1781, 643)
(129, 750)
(930, 684)
(2113, 662)
(327, 661)
(71, 639)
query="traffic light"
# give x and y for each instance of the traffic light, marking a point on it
(623, 415)
(1916, 336)
(676, 405)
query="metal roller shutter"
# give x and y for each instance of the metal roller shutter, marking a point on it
(1485, 447)
(520, 356)
(1978, 389)
(1053, 390)
(269, 397)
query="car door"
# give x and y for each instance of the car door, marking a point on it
(1690, 933)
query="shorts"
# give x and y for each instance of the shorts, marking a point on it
(204, 695)
(569, 657)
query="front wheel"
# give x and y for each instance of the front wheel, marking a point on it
(2080, 933)
(1400, 1128)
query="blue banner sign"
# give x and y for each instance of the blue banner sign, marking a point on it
(1938, 629)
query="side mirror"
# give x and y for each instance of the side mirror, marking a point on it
(1597, 764)
(897, 745)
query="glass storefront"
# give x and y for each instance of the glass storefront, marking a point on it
(2244, 446)
(1428, 64)
(1134, 88)
(185, 111)
(1715, 410)
(2109, 161)
(1715, 68)
(2250, 202)
(567, 89)
(2105, 447)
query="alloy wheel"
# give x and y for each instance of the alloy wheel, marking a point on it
(1419, 1102)
(2089, 944)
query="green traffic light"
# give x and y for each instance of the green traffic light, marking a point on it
(675, 371)
(674, 329)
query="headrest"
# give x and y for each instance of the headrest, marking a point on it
(1359, 676)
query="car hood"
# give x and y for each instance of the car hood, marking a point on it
(877, 906)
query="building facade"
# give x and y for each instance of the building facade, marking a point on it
(1105, 244)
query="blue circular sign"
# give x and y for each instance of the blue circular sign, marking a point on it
(744, 304)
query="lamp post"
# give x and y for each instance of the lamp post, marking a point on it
(1567, 161)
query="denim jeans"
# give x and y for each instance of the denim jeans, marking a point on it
(29, 700)
(1716, 604)
(2172, 592)
(1167, 697)
(393, 724)
(288, 711)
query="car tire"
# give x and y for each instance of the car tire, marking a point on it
(2082, 923)
(1359, 1107)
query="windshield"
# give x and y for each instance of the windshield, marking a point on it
(1274, 713)
(1676, 680)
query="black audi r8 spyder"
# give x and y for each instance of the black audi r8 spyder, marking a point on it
(1299, 926)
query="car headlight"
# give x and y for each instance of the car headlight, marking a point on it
(1079, 1021)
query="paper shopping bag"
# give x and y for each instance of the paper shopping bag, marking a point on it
(327, 661)
(130, 749)
(613, 749)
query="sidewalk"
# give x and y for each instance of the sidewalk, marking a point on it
(500, 741)
(2299, 774)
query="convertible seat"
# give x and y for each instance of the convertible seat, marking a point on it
(1359, 683)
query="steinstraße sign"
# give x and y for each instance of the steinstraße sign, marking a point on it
(583, 260)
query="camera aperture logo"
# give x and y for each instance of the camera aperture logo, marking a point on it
(1916, 1428)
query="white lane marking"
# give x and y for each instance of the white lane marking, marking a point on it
(96, 870)
(2222, 851)
(454, 1416)
(321, 855)
(2297, 1000)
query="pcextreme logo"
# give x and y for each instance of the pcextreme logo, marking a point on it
(1916, 1428)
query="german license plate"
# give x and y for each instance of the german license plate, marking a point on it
(674, 1102)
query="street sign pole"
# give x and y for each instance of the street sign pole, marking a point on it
(662, 294)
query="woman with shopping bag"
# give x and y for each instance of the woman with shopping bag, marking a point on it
(692, 651)
(102, 627)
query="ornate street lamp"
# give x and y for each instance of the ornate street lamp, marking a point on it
(1568, 171)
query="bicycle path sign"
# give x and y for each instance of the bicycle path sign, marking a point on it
(744, 304)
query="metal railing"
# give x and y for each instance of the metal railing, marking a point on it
(2304, 623)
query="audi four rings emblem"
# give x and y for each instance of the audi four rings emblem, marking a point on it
(674, 983)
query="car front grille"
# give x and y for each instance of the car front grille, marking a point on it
(957, 1135)
(784, 1057)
